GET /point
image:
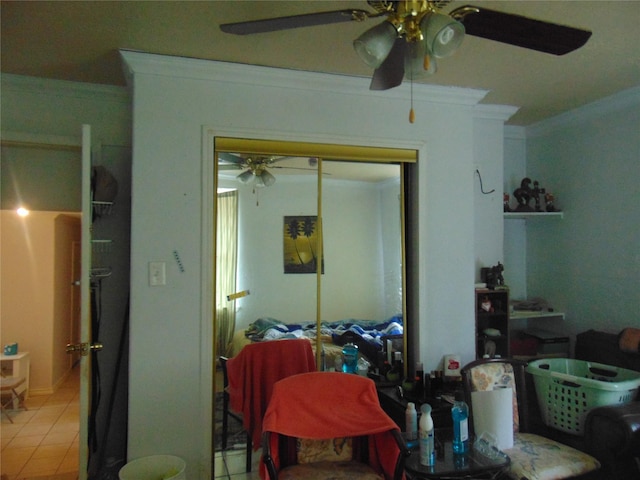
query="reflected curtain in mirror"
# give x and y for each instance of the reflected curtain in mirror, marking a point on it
(227, 259)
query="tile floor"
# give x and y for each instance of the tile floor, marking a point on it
(230, 465)
(42, 443)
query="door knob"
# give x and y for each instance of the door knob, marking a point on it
(84, 348)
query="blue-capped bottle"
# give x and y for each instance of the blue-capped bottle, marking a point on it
(350, 358)
(460, 416)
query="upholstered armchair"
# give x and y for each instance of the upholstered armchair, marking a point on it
(533, 457)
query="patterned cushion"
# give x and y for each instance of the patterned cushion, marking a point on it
(330, 471)
(330, 450)
(538, 458)
(489, 376)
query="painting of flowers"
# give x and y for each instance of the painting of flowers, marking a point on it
(300, 241)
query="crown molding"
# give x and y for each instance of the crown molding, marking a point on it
(594, 110)
(47, 86)
(495, 112)
(136, 62)
(514, 132)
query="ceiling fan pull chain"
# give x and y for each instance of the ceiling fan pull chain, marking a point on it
(412, 114)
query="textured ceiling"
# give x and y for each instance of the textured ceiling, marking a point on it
(79, 41)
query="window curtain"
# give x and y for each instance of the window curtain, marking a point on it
(226, 265)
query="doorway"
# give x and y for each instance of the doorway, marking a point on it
(38, 255)
(54, 188)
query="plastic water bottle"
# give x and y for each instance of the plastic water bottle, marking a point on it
(460, 415)
(427, 445)
(350, 358)
(411, 417)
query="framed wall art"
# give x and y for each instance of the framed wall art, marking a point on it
(300, 243)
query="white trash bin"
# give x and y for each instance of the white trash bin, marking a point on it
(155, 467)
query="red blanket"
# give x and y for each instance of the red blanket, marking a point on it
(324, 405)
(253, 372)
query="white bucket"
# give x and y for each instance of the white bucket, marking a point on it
(155, 467)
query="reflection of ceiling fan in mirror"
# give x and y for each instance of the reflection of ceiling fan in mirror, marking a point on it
(255, 166)
(414, 33)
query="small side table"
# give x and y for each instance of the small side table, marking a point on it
(17, 365)
(474, 464)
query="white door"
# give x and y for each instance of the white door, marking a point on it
(85, 299)
(85, 347)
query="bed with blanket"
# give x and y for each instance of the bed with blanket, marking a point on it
(369, 335)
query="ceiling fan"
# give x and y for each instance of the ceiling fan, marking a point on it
(255, 167)
(414, 33)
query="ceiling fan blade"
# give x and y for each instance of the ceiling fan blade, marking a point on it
(294, 21)
(230, 158)
(521, 31)
(271, 160)
(294, 168)
(391, 72)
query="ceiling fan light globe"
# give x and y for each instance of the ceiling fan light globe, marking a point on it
(267, 179)
(374, 45)
(442, 33)
(418, 62)
(245, 177)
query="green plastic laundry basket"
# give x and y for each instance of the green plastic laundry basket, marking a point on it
(568, 389)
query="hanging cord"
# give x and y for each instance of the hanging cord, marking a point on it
(481, 187)
(124, 337)
(96, 314)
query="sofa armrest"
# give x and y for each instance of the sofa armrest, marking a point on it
(613, 432)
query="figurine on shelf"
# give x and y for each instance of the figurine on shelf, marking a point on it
(492, 276)
(505, 202)
(497, 273)
(485, 304)
(549, 199)
(523, 195)
(536, 195)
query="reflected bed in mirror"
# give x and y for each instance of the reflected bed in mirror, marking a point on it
(368, 335)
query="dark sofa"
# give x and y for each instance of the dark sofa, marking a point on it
(612, 434)
(603, 347)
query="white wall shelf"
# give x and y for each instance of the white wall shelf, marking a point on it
(516, 314)
(525, 215)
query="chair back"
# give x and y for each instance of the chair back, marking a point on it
(253, 372)
(488, 374)
(331, 405)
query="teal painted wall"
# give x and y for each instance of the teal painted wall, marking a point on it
(588, 263)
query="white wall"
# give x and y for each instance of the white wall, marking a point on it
(487, 174)
(353, 281)
(56, 108)
(515, 239)
(174, 101)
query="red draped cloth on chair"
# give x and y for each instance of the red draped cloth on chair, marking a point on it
(324, 405)
(255, 369)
